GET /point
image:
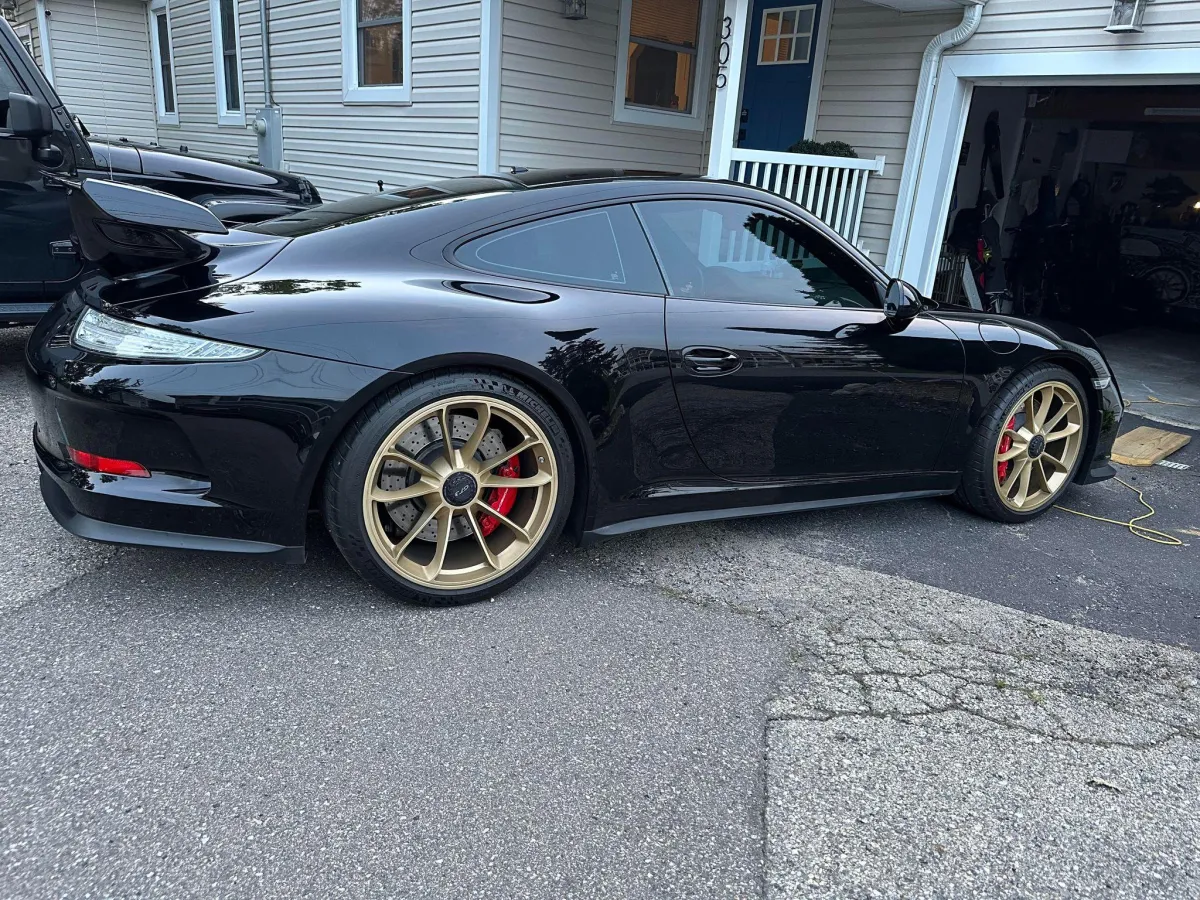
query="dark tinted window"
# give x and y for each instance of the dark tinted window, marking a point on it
(8, 83)
(602, 248)
(733, 251)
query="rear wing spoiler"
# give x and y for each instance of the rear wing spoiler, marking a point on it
(123, 228)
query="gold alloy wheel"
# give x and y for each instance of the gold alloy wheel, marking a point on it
(1039, 446)
(444, 486)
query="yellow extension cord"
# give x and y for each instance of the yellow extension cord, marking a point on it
(1149, 534)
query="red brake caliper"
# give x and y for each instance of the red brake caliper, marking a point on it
(500, 499)
(1005, 446)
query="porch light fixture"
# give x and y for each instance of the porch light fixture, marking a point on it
(574, 9)
(1126, 16)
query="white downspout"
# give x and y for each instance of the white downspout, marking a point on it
(918, 132)
(43, 19)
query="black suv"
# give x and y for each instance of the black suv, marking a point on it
(41, 144)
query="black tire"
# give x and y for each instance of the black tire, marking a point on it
(342, 499)
(977, 491)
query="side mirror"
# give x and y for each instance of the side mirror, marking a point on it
(901, 303)
(29, 117)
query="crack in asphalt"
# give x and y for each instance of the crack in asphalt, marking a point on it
(858, 651)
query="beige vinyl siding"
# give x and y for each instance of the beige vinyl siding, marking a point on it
(101, 57)
(346, 149)
(557, 92)
(195, 82)
(26, 14)
(871, 71)
(1023, 26)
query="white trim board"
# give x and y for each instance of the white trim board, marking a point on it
(491, 46)
(818, 75)
(957, 77)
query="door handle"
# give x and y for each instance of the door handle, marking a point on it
(711, 360)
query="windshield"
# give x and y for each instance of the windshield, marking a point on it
(365, 206)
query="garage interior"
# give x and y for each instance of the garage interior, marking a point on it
(1082, 204)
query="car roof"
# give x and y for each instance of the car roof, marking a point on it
(522, 191)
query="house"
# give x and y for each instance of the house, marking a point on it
(394, 92)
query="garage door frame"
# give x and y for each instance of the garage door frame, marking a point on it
(957, 79)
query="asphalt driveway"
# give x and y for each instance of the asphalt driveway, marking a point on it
(822, 705)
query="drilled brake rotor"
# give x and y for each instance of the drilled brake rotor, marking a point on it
(424, 442)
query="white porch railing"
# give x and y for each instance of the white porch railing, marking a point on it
(832, 188)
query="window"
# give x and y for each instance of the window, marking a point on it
(8, 85)
(376, 51)
(786, 35)
(163, 56)
(732, 251)
(662, 70)
(599, 248)
(227, 60)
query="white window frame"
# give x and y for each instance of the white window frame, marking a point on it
(795, 35)
(641, 115)
(373, 94)
(226, 116)
(160, 99)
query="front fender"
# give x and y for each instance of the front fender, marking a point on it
(991, 365)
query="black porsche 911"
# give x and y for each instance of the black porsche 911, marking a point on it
(454, 374)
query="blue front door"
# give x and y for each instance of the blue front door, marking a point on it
(779, 74)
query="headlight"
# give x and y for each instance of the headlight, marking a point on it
(125, 340)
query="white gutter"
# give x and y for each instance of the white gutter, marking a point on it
(918, 132)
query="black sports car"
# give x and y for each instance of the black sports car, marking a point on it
(454, 374)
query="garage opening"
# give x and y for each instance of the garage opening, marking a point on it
(1082, 204)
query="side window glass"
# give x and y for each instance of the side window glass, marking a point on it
(721, 250)
(599, 248)
(8, 82)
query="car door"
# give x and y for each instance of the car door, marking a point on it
(784, 363)
(33, 212)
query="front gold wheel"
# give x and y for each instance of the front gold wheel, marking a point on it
(1038, 447)
(460, 492)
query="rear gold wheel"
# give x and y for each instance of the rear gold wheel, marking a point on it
(450, 488)
(465, 531)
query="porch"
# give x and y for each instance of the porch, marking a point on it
(632, 86)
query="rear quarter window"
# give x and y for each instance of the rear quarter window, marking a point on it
(601, 248)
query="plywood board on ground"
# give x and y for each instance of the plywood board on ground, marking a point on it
(1144, 446)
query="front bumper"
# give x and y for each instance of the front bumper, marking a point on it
(1096, 465)
(234, 448)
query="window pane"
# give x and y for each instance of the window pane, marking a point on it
(804, 21)
(785, 49)
(666, 21)
(374, 10)
(771, 23)
(732, 251)
(789, 22)
(233, 99)
(770, 48)
(164, 58)
(381, 54)
(659, 78)
(228, 25)
(603, 248)
(581, 247)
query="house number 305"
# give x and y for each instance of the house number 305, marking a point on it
(723, 53)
